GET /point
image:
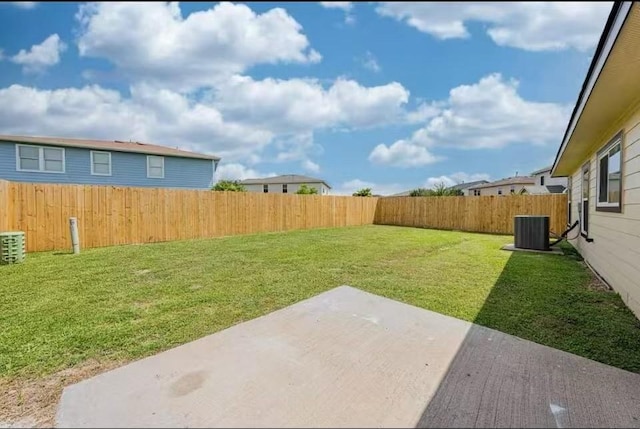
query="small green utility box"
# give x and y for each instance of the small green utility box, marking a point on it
(12, 247)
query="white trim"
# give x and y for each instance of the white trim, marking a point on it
(40, 159)
(606, 149)
(625, 7)
(93, 173)
(155, 177)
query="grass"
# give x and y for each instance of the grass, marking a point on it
(123, 303)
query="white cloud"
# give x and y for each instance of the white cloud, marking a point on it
(370, 62)
(344, 5)
(311, 166)
(24, 4)
(349, 187)
(299, 105)
(235, 171)
(487, 114)
(41, 56)
(402, 154)
(155, 43)
(455, 179)
(533, 26)
(161, 117)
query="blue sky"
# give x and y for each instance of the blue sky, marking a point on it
(392, 96)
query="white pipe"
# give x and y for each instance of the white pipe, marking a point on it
(75, 240)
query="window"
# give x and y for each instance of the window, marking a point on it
(499, 191)
(513, 190)
(265, 189)
(476, 192)
(609, 176)
(584, 207)
(40, 159)
(284, 188)
(155, 167)
(541, 180)
(100, 163)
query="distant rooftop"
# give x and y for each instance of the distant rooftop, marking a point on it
(115, 145)
(463, 186)
(285, 178)
(517, 180)
(542, 170)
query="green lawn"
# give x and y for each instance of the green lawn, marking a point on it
(122, 303)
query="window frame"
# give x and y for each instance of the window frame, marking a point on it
(149, 157)
(604, 152)
(542, 180)
(285, 188)
(585, 168)
(265, 188)
(41, 160)
(93, 173)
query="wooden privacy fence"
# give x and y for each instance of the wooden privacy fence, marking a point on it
(119, 215)
(493, 214)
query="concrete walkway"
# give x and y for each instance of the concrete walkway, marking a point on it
(347, 358)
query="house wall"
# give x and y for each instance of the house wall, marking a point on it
(615, 251)
(493, 190)
(292, 188)
(548, 180)
(127, 169)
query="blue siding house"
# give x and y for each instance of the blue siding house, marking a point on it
(96, 162)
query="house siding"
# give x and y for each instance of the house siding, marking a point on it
(292, 188)
(548, 180)
(493, 190)
(615, 251)
(127, 169)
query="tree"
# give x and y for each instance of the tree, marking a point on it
(439, 190)
(229, 185)
(364, 192)
(304, 189)
(420, 192)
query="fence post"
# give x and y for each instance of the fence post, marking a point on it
(4, 205)
(75, 240)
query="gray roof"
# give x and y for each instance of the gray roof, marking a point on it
(115, 145)
(542, 170)
(517, 180)
(282, 179)
(556, 189)
(468, 185)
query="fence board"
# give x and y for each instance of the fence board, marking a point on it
(490, 214)
(110, 216)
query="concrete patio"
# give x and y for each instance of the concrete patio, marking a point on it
(347, 358)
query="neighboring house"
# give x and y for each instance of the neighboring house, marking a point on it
(510, 185)
(600, 154)
(285, 184)
(97, 162)
(553, 185)
(464, 187)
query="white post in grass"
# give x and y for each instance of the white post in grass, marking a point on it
(75, 240)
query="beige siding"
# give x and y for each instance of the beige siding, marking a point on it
(615, 250)
(292, 188)
(506, 189)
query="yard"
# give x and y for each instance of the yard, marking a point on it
(64, 317)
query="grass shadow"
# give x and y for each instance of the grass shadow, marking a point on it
(497, 380)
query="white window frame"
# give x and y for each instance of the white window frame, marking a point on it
(41, 162)
(606, 149)
(93, 173)
(148, 166)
